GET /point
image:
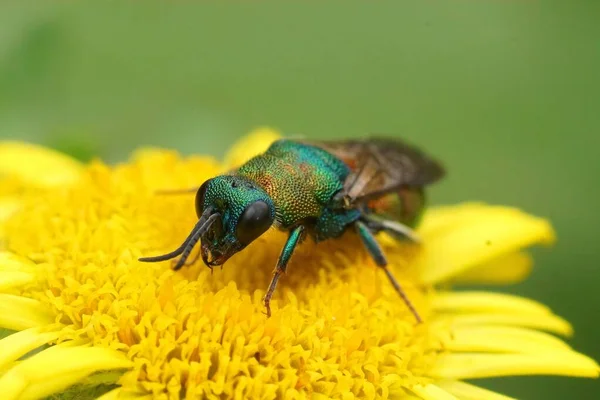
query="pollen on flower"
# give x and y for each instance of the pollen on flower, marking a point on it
(69, 274)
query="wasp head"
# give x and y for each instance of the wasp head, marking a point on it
(245, 210)
(232, 212)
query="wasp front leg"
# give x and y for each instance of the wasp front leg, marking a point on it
(376, 252)
(286, 253)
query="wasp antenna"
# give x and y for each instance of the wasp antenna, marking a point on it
(194, 239)
(197, 230)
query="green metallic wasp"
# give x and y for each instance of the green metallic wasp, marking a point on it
(312, 188)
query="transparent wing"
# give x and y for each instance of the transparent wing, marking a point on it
(381, 165)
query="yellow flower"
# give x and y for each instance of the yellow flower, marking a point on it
(71, 288)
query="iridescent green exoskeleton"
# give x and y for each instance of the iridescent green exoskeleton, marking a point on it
(312, 188)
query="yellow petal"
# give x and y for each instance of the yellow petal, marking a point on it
(120, 394)
(480, 308)
(407, 396)
(15, 270)
(500, 339)
(546, 322)
(36, 165)
(474, 301)
(18, 313)
(440, 218)
(12, 262)
(14, 279)
(477, 365)
(475, 236)
(432, 392)
(254, 143)
(50, 372)
(20, 343)
(504, 270)
(466, 391)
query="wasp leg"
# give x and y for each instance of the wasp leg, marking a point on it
(375, 250)
(284, 258)
(395, 228)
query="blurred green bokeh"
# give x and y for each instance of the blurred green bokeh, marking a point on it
(507, 93)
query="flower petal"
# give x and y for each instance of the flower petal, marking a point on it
(466, 391)
(15, 271)
(480, 308)
(10, 261)
(254, 143)
(440, 218)
(500, 339)
(11, 279)
(120, 394)
(56, 369)
(474, 301)
(546, 322)
(18, 313)
(20, 343)
(432, 392)
(464, 237)
(504, 270)
(36, 165)
(481, 365)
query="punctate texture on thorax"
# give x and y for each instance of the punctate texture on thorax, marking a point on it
(300, 179)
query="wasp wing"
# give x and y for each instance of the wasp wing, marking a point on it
(381, 165)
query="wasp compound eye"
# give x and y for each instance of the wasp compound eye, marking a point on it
(200, 196)
(253, 222)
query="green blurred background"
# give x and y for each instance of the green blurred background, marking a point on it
(507, 93)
